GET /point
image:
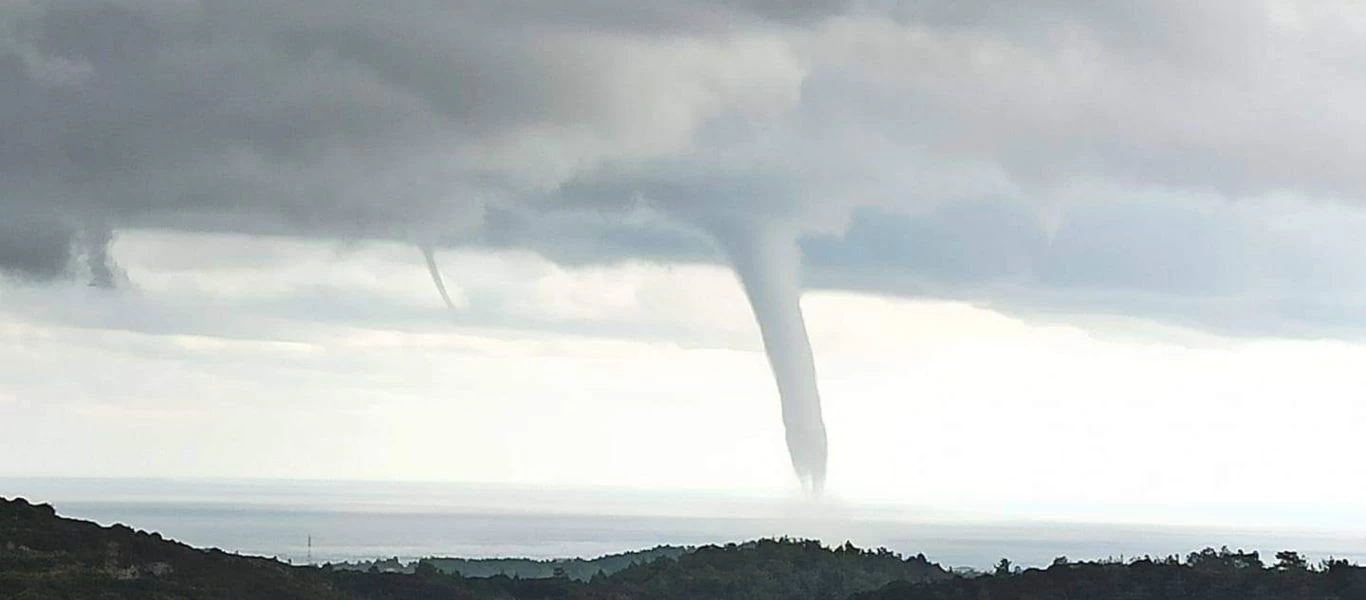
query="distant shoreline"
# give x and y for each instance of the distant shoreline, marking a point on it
(369, 520)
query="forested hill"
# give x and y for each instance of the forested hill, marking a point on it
(773, 569)
(525, 568)
(43, 555)
(46, 556)
(1205, 575)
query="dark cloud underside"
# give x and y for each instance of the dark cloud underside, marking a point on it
(1198, 162)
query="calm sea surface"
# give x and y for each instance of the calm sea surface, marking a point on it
(350, 521)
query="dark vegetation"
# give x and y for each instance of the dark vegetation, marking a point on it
(573, 568)
(1205, 575)
(525, 568)
(46, 556)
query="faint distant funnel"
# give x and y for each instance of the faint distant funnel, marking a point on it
(430, 255)
(768, 262)
(104, 272)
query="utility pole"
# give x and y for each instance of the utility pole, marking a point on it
(310, 550)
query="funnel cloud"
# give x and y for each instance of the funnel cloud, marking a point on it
(767, 261)
(104, 273)
(429, 255)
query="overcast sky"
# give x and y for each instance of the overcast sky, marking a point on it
(1069, 251)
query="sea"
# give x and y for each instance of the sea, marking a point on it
(315, 522)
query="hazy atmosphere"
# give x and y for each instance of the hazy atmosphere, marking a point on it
(1078, 261)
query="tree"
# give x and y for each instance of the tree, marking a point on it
(1332, 564)
(1003, 568)
(1289, 560)
(1224, 560)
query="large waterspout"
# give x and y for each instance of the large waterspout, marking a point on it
(768, 263)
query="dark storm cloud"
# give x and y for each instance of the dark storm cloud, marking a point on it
(34, 249)
(962, 145)
(343, 119)
(1232, 268)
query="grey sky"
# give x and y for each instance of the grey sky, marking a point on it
(1154, 158)
(1031, 230)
